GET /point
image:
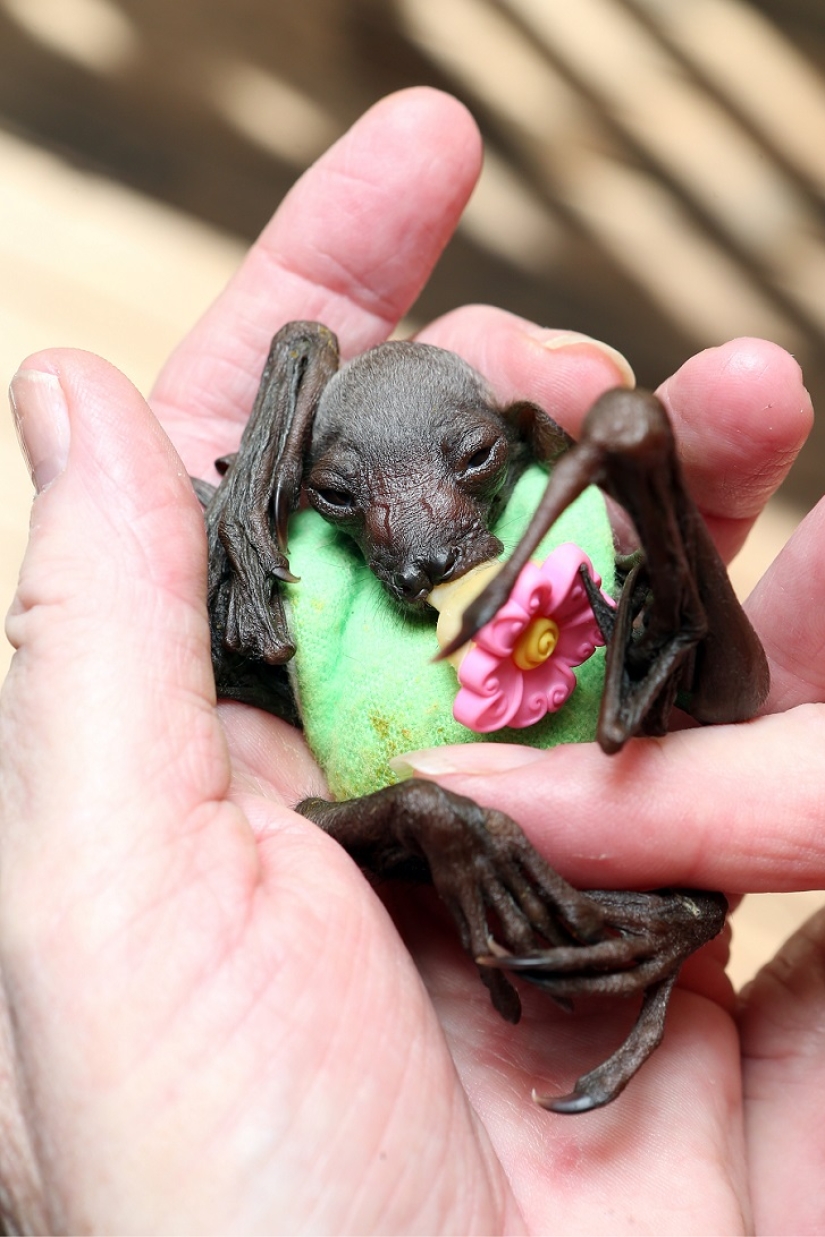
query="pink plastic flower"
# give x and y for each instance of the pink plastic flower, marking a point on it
(519, 666)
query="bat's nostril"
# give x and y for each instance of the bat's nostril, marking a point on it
(412, 582)
(441, 564)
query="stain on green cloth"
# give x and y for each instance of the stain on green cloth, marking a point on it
(363, 674)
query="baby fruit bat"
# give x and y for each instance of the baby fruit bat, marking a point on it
(404, 451)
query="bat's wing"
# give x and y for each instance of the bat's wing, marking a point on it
(247, 515)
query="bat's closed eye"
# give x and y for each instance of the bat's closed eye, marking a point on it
(339, 500)
(481, 460)
(480, 457)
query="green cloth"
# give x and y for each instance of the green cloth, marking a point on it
(366, 684)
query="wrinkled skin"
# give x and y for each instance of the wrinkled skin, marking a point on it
(189, 1045)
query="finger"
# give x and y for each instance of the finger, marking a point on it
(109, 627)
(741, 414)
(351, 246)
(786, 610)
(109, 619)
(782, 1025)
(738, 808)
(564, 372)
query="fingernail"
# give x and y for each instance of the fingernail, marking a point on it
(572, 339)
(41, 417)
(473, 760)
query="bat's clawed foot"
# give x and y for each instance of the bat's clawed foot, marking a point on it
(491, 878)
(648, 937)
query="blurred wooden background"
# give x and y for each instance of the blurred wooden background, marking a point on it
(655, 176)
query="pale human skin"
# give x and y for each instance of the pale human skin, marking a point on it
(210, 1022)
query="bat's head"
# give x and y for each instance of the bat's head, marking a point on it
(411, 458)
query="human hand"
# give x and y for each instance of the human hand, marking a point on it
(210, 1021)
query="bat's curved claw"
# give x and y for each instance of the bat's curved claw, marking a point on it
(572, 1104)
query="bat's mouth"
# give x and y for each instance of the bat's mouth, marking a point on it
(417, 604)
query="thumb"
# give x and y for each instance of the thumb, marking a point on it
(112, 670)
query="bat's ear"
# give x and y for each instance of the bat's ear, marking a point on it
(543, 436)
(204, 492)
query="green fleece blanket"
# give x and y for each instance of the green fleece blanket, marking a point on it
(364, 677)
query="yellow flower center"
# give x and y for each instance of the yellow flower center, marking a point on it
(536, 643)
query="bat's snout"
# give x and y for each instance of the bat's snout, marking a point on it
(416, 578)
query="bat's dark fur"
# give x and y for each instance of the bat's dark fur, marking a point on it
(405, 451)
